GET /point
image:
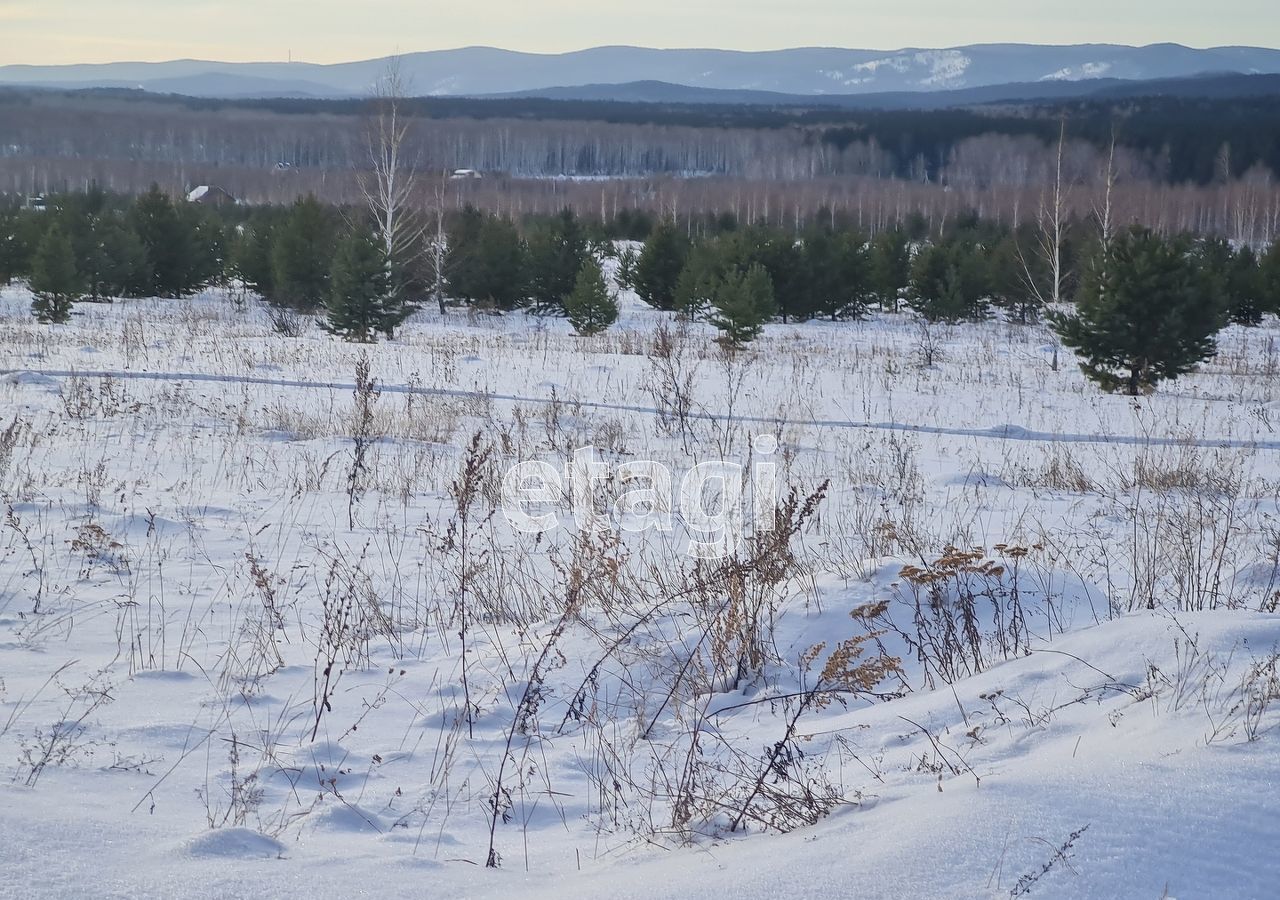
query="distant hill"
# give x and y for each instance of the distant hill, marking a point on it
(1203, 86)
(807, 72)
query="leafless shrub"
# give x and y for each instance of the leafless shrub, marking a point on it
(747, 587)
(103, 397)
(286, 322)
(99, 549)
(467, 490)
(1234, 701)
(9, 437)
(94, 481)
(524, 721)
(967, 609)
(15, 523)
(1061, 854)
(242, 794)
(1059, 469)
(1183, 524)
(928, 343)
(363, 435)
(62, 742)
(255, 653)
(670, 383)
(785, 795)
(352, 617)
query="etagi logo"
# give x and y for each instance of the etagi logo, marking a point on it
(711, 504)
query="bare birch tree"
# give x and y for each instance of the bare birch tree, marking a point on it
(389, 185)
(437, 249)
(1103, 211)
(1052, 218)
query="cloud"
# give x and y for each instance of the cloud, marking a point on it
(20, 12)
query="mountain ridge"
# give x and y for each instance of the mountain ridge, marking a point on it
(805, 71)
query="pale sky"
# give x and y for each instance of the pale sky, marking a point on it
(70, 31)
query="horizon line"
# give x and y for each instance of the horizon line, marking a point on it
(595, 47)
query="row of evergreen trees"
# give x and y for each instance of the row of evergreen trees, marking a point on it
(972, 272)
(308, 258)
(1146, 307)
(94, 245)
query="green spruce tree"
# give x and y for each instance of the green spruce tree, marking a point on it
(1015, 274)
(302, 253)
(168, 243)
(1269, 280)
(657, 271)
(15, 252)
(699, 280)
(501, 267)
(949, 282)
(1145, 313)
(591, 308)
(115, 261)
(361, 303)
(556, 252)
(890, 265)
(628, 259)
(1245, 298)
(55, 283)
(251, 252)
(743, 303)
(839, 275)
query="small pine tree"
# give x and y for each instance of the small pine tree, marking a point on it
(502, 264)
(8, 247)
(302, 252)
(115, 261)
(54, 280)
(627, 261)
(699, 279)
(1269, 280)
(1015, 275)
(839, 281)
(779, 254)
(16, 244)
(657, 271)
(462, 261)
(1244, 289)
(555, 255)
(361, 302)
(205, 262)
(1147, 315)
(743, 303)
(251, 255)
(890, 264)
(168, 242)
(949, 282)
(591, 308)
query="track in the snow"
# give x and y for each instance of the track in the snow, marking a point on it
(1000, 433)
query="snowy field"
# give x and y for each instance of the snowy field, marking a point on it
(1024, 642)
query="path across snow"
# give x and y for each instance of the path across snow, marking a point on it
(998, 432)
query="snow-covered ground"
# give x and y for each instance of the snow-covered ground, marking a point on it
(223, 673)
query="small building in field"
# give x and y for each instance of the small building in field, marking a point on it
(465, 175)
(210, 195)
(37, 204)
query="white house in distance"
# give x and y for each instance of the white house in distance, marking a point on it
(210, 195)
(465, 175)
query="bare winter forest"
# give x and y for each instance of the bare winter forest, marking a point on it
(763, 167)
